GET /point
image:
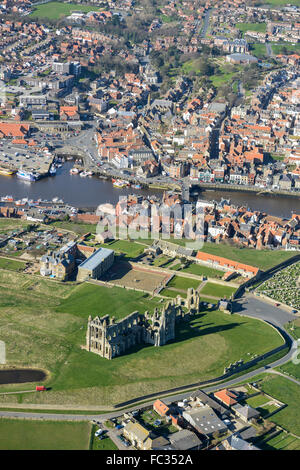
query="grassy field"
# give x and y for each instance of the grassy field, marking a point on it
(256, 401)
(183, 283)
(291, 369)
(263, 259)
(12, 264)
(282, 441)
(78, 228)
(280, 2)
(131, 249)
(289, 393)
(43, 435)
(217, 290)
(258, 50)
(11, 224)
(89, 299)
(101, 444)
(199, 270)
(56, 10)
(260, 27)
(43, 324)
(172, 293)
(291, 48)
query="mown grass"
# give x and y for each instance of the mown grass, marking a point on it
(281, 48)
(289, 393)
(183, 283)
(12, 264)
(259, 27)
(199, 270)
(217, 290)
(43, 435)
(43, 324)
(101, 444)
(55, 10)
(282, 441)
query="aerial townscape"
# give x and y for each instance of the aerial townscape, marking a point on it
(150, 227)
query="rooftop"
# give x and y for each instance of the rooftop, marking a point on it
(93, 261)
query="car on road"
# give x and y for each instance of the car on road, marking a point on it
(277, 304)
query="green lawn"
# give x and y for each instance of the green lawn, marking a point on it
(256, 401)
(282, 441)
(172, 293)
(79, 228)
(217, 290)
(260, 27)
(265, 410)
(12, 265)
(199, 270)
(263, 259)
(183, 283)
(281, 48)
(131, 249)
(259, 50)
(224, 78)
(55, 10)
(11, 224)
(147, 419)
(161, 260)
(19, 434)
(101, 444)
(280, 2)
(43, 324)
(89, 299)
(291, 369)
(289, 393)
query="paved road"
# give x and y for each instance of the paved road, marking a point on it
(254, 307)
(206, 23)
(269, 49)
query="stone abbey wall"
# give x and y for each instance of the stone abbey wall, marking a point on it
(109, 338)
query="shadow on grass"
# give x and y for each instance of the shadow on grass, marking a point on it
(186, 331)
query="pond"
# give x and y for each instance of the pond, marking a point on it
(18, 376)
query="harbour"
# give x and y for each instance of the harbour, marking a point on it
(90, 191)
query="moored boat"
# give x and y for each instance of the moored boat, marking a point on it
(6, 171)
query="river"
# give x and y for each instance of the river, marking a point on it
(89, 192)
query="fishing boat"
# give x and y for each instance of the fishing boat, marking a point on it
(136, 186)
(52, 170)
(27, 175)
(7, 199)
(119, 184)
(74, 171)
(6, 171)
(20, 203)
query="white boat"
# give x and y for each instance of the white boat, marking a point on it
(74, 171)
(27, 175)
(52, 170)
(7, 199)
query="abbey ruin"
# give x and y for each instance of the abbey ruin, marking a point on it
(109, 338)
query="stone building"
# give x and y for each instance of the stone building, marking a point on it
(96, 264)
(109, 338)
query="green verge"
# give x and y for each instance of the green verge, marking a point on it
(19, 434)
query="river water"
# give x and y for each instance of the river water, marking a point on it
(89, 192)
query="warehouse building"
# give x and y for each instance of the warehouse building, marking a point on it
(96, 265)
